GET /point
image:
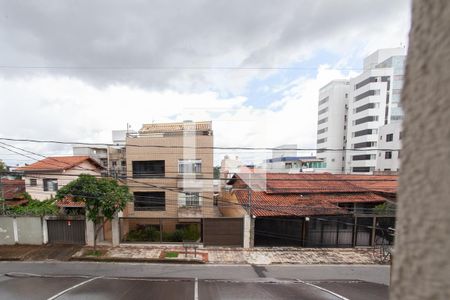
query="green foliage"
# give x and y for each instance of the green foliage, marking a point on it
(386, 208)
(149, 233)
(3, 167)
(102, 196)
(216, 172)
(34, 208)
(171, 254)
(143, 234)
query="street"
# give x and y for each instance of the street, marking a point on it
(81, 280)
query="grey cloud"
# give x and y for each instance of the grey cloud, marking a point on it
(175, 34)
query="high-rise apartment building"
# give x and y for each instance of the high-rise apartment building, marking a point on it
(351, 114)
(332, 124)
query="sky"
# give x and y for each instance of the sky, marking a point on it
(75, 70)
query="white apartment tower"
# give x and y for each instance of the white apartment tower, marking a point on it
(373, 100)
(332, 124)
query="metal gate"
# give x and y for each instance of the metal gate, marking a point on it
(278, 231)
(66, 231)
(223, 232)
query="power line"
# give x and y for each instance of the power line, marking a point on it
(197, 147)
(170, 68)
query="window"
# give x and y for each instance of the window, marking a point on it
(323, 110)
(367, 94)
(389, 137)
(365, 82)
(192, 199)
(189, 199)
(388, 154)
(400, 135)
(322, 121)
(363, 157)
(149, 201)
(364, 132)
(364, 145)
(148, 168)
(288, 165)
(320, 131)
(191, 166)
(366, 107)
(324, 100)
(320, 141)
(362, 169)
(50, 184)
(365, 120)
(123, 163)
(33, 182)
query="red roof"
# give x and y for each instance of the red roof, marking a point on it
(375, 183)
(68, 202)
(308, 194)
(304, 183)
(12, 188)
(264, 204)
(57, 163)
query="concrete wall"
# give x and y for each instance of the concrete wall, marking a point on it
(422, 254)
(6, 231)
(21, 230)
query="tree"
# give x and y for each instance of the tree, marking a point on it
(3, 167)
(103, 197)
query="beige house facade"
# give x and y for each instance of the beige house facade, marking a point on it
(170, 171)
(45, 177)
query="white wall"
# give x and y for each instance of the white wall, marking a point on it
(392, 164)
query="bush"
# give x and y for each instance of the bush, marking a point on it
(34, 208)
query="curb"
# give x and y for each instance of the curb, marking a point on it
(138, 260)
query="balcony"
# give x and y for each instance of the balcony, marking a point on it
(190, 211)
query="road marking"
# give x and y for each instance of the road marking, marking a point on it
(323, 289)
(196, 289)
(73, 287)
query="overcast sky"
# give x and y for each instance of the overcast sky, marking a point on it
(116, 62)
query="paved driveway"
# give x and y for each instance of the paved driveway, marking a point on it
(28, 286)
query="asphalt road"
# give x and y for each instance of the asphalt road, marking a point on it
(75, 280)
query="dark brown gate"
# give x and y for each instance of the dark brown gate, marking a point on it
(223, 232)
(66, 231)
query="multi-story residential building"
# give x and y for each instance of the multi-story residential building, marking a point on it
(111, 158)
(285, 159)
(371, 100)
(389, 145)
(332, 124)
(170, 171)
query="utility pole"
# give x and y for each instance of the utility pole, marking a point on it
(2, 195)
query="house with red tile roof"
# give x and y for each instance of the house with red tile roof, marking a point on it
(11, 190)
(45, 177)
(307, 208)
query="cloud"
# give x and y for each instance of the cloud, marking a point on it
(67, 109)
(195, 33)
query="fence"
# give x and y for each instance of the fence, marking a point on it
(324, 231)
(22, 230)
(209, 231)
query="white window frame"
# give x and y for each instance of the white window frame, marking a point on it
(195, 166)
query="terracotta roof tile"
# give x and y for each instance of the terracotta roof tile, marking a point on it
(375, 183)
(68, 202)
(57, 163)
(264, 204)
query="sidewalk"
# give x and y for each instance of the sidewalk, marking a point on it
(38, 252)
(260, 256)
